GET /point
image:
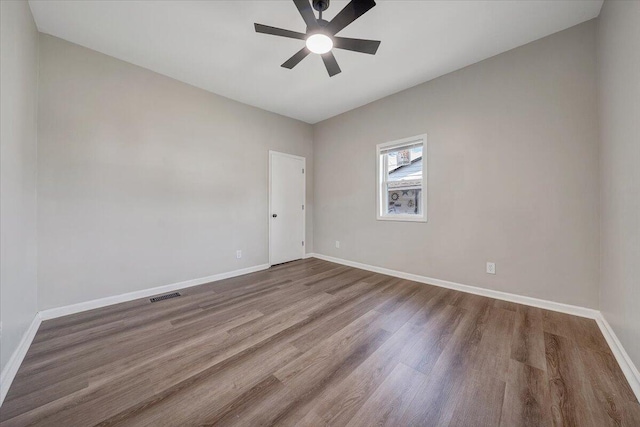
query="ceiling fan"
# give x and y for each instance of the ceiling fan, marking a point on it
(321, 36)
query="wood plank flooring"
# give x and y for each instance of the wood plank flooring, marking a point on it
(312, 343)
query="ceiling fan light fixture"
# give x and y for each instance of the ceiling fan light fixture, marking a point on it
(319, 43)
(320, 37)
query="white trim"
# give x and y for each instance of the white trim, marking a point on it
(304, 200)
(52, 313)
(624, 361)
(626, 364)
(402, 218)
(11, 368)
(382, 170)
(505, 296)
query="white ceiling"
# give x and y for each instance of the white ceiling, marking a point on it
(212, 44)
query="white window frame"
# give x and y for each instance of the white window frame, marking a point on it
(381, 190)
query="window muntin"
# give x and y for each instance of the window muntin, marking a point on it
(401, 172)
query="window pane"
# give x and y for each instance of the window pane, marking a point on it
(400, 180)
(404, 165)
(404, 181)
(404, 201)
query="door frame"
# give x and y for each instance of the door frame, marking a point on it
(304, 199)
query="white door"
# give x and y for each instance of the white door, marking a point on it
(286, 204)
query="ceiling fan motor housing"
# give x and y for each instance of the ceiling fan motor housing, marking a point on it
(322, 23)
(321, 5)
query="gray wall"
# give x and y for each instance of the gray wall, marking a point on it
(145, 181)
(512, 178)
(18, 154)
(619, 107)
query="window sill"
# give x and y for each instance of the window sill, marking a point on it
(404, 218)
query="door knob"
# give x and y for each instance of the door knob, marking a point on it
(274, 215)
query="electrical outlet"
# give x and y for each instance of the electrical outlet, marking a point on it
(491, 267)
(238, 254)
(338, 244)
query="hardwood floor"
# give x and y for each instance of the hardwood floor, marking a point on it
(312, 343)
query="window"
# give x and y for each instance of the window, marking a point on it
(402, 168)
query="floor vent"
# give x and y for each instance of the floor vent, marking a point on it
(164, 297)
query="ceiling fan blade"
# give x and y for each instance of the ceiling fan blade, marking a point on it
(304, 7)
(265, 29)
(354, 10)
(357, 45)
(295, 59)
(330, 62)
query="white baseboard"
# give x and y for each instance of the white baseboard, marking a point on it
(628, 368)
(626, 364)
(11, 368)
(52, 313)
(535, 302)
